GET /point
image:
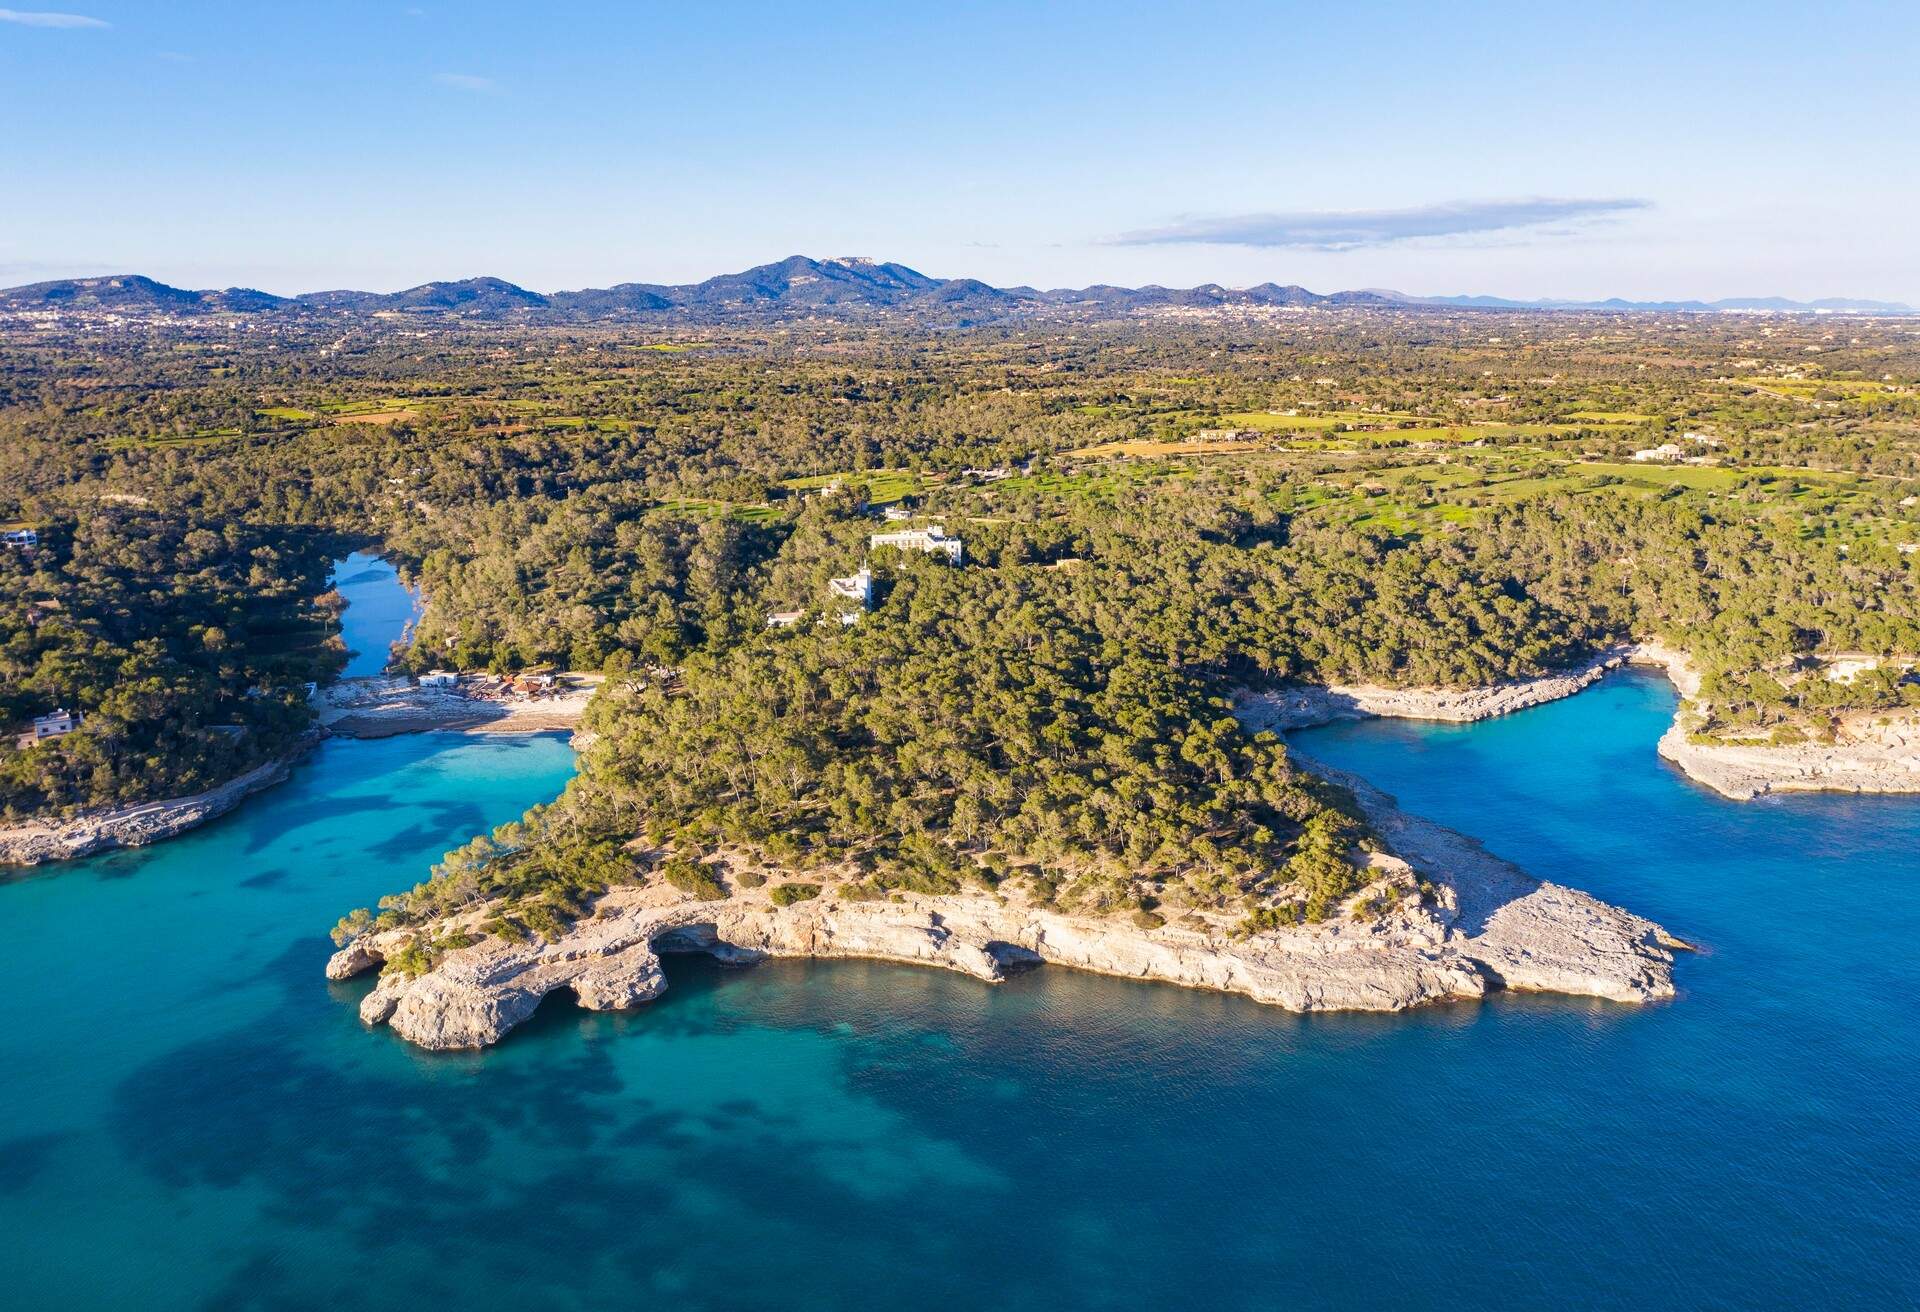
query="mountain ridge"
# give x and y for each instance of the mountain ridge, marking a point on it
(801, 285)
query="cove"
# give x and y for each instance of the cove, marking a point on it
(189, 1118)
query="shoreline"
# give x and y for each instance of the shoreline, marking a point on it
(41, 840)
(1876, 758)
(1484, 925)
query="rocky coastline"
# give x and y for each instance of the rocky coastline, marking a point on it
(1869, 755)
(351, 709)
(1480, 924)
(1866, 756)
(34, 842)
(1304, 706)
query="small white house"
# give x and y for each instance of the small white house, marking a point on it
(21, 538)
(783, 619)
(57, 725)
(1666, 451)
(933, 541)
(439, 679)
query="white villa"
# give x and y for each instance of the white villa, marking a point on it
(930, 540)
(854, 587)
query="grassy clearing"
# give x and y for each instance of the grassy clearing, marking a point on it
(1153, 448)
(1267, 420)
(882, 485)
(1809, 389)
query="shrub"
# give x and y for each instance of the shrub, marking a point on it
(787, 894)
(750, 879)
(693, 879)
(414, 959)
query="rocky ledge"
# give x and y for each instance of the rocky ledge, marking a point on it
(35, 841)
(1482, 924)
(1304, 706)
(1866, 756)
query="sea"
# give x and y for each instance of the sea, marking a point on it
(191, 1116)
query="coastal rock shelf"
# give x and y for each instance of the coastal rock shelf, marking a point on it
(36, 841)
(1866, 757)
(1488, 925)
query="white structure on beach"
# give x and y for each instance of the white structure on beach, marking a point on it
(439, 679)
(930, 540)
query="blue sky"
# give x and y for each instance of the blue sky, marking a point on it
(1684, 149)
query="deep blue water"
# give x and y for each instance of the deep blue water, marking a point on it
(192, 1117)
(378, 611)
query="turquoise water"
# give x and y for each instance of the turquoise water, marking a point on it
(378, 611)
(193, 1118)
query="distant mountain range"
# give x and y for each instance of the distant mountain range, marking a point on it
(797, 287)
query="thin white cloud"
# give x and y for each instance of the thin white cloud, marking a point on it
(466, 81)
(1345, 230)
(28, 18)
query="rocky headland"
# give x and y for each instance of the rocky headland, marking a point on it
(1868, 754)
(1448, 922)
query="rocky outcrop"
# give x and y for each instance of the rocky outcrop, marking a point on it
(1484, 925)
(1866, 756)
(1868, 753)
(36, 841)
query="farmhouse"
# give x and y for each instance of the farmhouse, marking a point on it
(930, 540)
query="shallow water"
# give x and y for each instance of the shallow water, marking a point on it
(192, 1117)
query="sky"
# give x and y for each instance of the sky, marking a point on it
(1683, 149)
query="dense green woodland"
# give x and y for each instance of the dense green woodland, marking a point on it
(1401, 498)
(184, 647)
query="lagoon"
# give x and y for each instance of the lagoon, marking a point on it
(192, 1117)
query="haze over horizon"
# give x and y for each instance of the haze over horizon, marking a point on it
(1505, 152)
